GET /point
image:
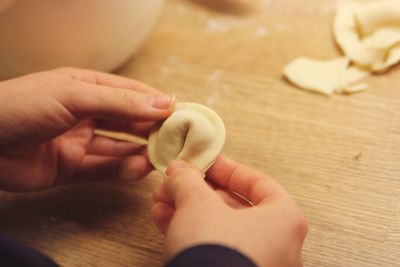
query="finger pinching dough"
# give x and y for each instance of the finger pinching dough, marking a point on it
(193, 133)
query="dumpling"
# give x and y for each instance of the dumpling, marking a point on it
(193, 133)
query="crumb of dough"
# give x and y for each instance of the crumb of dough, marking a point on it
(358, 156)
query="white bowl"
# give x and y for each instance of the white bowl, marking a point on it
(96, 34)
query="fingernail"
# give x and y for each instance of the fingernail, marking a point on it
(177, 165)
(161, 101)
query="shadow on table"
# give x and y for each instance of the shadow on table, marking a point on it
(84, 205)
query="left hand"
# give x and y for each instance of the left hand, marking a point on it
(47, 123)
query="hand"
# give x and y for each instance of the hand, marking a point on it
(189, 212)
(47, 122)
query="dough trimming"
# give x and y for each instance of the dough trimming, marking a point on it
(369, 35)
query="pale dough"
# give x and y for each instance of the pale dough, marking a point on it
(369, 33)
(193, 133)
(324, 76)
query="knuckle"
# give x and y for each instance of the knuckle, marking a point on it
(298, 221)
(124, 96)
(301, 225)
(196, 198)
(156, 213)
(70, 94)
(120, 95)
(185, 181)
(73, 85)
(184, 173)
(65, 69)
(178, 178)
(156, 210)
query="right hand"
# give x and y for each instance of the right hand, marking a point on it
(190, 212)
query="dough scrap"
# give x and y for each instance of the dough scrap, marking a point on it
(324, 77)
(193, 133)
(369, 33)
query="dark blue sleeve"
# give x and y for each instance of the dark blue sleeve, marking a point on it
(211, 256)
(14, 254)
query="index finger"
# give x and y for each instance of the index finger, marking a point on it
(249, 183)
(107, 79)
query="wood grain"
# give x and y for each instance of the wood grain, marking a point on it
(337, 156)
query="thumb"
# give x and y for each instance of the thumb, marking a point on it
(185, 185)
(99, 101)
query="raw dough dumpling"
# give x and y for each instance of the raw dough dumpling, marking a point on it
(193, 133)
(369, 32)
(324, 77)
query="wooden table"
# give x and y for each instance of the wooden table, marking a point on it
(338, 156)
